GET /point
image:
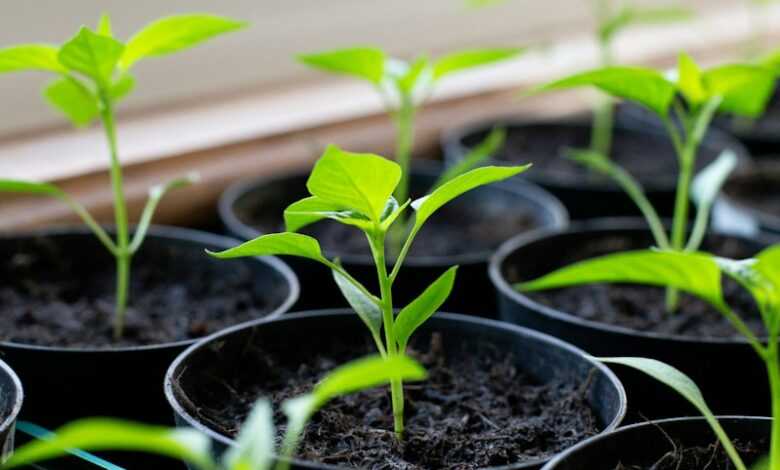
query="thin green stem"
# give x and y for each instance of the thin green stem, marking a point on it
(772, 359)
(728, 446)
(399, 260)
(377, 242)
(601, 132)
(123, 254)
(404, 121)
(352, 280)
(743, 329)
(90, 222)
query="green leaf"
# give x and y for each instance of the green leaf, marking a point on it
(689, 80)
(769, 264)
(745, 89)
(414, 73)
(313, 209)
(392, 212)
(469, 59)
(175, 33)
(484, 150)
(360, 182)
(365, 307)
(122, 87)
(29, 187)
(683, 385)
(644, 86)
(695, 273)
(365, 373)
(420, 309)
(710, 180)
(428, 205)
(73, 99)
(104, 26)
(636, 16)
(91, 54)
(366, 63)
(290, 244)
(30, 57)
(254, 448)
(98, 434)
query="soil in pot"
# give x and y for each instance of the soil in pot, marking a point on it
(643, 308)
(682, 457)
(476, 409)
(62, 294)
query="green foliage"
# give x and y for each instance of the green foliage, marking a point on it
(356, 190)
(366, 63)
(631, 15)
(74, 100)
(30, 57)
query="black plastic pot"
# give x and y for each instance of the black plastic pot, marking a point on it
(68, 383)
(748, 202)
(11, 397)
(583, 193)
(271, 196)
(647, 442)
(543, 357)
(721, 366)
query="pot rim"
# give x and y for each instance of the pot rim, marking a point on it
(541, 201)
(173, 372)
(16, 407)
(451, 141)
(174, 234)
(495, 272)
(652, 423)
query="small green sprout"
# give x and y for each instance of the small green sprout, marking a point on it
(93, 76)
(405, 86)
(698, 274)
(254, 446)
(357, 190)
(685, 104)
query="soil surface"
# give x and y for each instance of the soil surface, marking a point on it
(711, 457)
(649, 157)
(758, 189)
(643, 308)
(474, 411)
(53, 296)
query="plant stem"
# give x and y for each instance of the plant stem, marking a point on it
(603, 115)
(404, 121)
(123, 255)
(377, 242)
(773, 366)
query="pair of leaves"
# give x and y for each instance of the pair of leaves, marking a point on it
(254, 449)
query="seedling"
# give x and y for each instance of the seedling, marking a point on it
(685, 104)
(357, 190)
(405, 86)
(254, 447)
(93, 71)
(698, 274)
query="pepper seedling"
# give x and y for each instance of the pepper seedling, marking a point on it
(700, 275)
(685, 105)
(357, 190)
(254, 446)
(405, 86)
(93, 71)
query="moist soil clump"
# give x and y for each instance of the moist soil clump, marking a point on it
(54, 297)
(643, 308)
(475, 410)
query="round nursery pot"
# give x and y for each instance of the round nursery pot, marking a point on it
(57, 305)
(670, 444)
(627, 320)
(11, 397)
(751, 200)
(465, 232)
(645, 152)
(497, 395)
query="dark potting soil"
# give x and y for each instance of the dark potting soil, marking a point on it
(54, 298)
(475, 410)
(711, 457)
(643, 308)
(758, 189)
(648, 157)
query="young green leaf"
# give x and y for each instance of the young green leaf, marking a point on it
(313, 209)
(366, 63)
(484, 150)
(683, 385)
(463, 60)
(30, 57)
(104, 26)
(421, 308)
(695, 273)
(73, 99)
(704, 191)
(365, 307)
(689, 80)
(745, 89)
(426, 206)
(360, 182)
(97, 434)
(173, 34)
(644, 86)
(414, 73)
(291, 244)
(365, 373)
(92, 54)
(254, 448)
(28, 187)
(121, 87)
